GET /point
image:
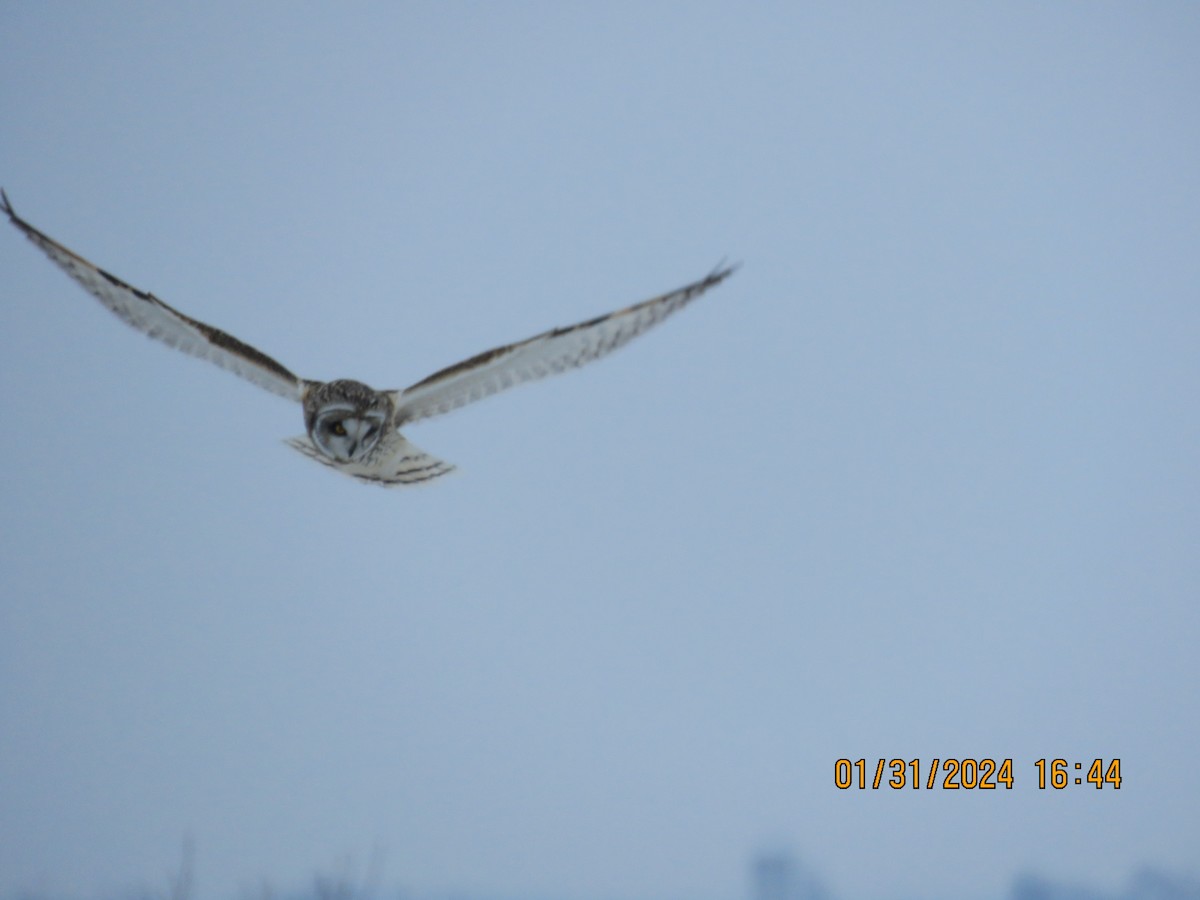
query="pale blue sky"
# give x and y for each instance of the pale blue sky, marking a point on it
(919, 481)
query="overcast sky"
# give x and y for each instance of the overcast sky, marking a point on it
(919, 481)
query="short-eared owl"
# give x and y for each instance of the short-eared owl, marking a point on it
(351, 427)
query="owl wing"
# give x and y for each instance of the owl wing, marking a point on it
(148, 314)
(544, 354)
(395, 462)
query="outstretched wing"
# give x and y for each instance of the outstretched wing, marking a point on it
(544, 354)
(148, 314)
(395, 463)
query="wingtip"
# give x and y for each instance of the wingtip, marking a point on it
(723, 270)
(6, 207)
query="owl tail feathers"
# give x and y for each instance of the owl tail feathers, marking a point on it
(395, 463)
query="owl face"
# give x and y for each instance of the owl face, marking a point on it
(347, 419)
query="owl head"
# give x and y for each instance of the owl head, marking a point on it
(347, 419)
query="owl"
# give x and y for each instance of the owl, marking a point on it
(349, 426)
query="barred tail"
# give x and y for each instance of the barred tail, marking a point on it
(395, 463)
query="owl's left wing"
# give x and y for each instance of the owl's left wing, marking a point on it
(544, 354)
(148, 314)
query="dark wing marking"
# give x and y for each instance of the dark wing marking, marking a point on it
(148, 314)
(544, 354)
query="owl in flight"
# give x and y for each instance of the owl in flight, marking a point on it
(352, 427)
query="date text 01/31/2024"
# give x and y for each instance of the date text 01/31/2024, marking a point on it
(972, 774)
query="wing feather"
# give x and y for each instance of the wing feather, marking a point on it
(548, 353)
(151, 316)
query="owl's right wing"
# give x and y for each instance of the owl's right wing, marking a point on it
(544, 354)
(151, 316)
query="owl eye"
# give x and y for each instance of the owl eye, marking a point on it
(339, 429)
